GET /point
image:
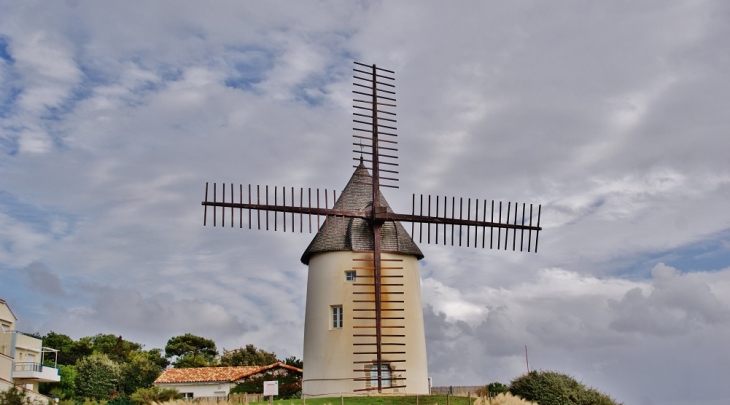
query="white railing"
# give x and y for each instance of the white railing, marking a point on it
(29, 366)
(35, 371)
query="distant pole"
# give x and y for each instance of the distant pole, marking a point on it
(527, 361)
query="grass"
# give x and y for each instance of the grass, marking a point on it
(502, 399)
(377, 400)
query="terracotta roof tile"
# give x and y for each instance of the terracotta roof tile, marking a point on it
(205, 374)
(214, 374)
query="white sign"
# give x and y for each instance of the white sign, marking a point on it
(271, 388)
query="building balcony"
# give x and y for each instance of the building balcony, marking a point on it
(36, 372)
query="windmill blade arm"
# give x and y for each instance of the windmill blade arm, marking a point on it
(389, 216)
(297, 210)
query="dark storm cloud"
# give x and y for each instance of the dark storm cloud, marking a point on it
(38, 276)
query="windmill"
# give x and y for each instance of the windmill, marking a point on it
(381, 282)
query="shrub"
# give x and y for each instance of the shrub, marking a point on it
(508, 399)
(65, 388)
(147, 396)
(553, 388)
(120, 400)
(493, 389)
(139, 372)
(290, 384)
(85, 401)
(90, 401)
(14, 396)
(97, 377)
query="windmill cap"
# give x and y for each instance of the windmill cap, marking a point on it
(355, 234)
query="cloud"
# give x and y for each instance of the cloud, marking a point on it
(147, 319)
(39, 277)
(570, 325)
(675, 304)
(127, 308)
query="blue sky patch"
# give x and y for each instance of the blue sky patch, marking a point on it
(710, 254)
(8, 101)
(9, 145)
(39, 219)
(250, 65)
(4, 53)
(313, 90)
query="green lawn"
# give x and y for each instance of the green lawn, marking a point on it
(376, 400)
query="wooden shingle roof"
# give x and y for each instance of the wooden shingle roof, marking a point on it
(354, 234)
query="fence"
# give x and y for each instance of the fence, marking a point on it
(460, 397)
(458, 391)
(231, 399)
(462, 390)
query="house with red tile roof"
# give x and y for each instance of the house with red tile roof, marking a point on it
(196, 382)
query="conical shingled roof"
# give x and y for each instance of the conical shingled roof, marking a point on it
(354, 234)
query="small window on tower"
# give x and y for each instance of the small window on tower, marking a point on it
(351, 275)
(337, 317)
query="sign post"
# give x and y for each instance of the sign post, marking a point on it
(271, 388)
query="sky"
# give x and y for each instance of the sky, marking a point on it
(612, 115)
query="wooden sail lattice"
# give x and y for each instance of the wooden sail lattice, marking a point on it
(382, 339)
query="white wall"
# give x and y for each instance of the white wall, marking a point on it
(214, 389)
(6, 368)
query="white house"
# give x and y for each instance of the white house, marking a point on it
(196, 382)
(23, 359)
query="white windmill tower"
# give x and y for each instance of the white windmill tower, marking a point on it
(364, 322)
(340, 340)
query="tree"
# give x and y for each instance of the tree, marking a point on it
(294, 362)
(248, 356)
(138, 372)
(64, 389)
(191, 351)
(553, 388)
(70, 351)
(79, 350)
(62, 343)
(156, 356)
(113, 346)
(97, 377)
